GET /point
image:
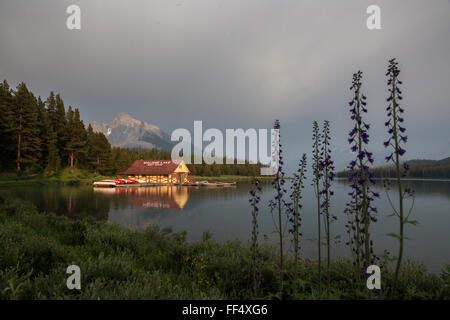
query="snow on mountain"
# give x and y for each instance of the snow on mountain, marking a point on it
(126, 132)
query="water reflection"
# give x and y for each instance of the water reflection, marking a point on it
(137, 208)
(225, 212)
(155, 197)
(75, 202)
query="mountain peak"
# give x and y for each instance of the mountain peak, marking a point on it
(124, 119)
(126, 131)
(123, 116)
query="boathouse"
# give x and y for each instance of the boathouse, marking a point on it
(158, 171)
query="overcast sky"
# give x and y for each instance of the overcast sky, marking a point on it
(237, 63)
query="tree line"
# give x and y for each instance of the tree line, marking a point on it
(416, 172)
(42, 136)
(123, 158)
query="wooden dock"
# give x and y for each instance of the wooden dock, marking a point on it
(211, 184)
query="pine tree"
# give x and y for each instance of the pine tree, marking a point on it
(51, 106)
(76, 143)
(24, 127)
(59, 123)
(99, 151)
(50, 160)
(121, 160)
(81, 133)
(6, 116)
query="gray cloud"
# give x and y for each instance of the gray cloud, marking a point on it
(234, 63)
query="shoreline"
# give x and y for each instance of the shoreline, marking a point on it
(403, 179)
(231, 178)
(71, 181)
(87, 178)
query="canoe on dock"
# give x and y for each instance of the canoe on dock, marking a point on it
(125, 183)
(115, 183)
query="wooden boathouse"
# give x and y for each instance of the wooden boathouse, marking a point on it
(158, 171)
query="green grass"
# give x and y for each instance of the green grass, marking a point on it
(118, 263)
(65, 176)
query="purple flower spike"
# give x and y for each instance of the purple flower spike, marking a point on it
(361, 179)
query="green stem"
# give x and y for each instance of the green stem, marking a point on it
(318, 212)
(399, 184)
(280, 231)
(365, 207)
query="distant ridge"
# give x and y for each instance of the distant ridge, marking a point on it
(127, 132)
(426, 162)
(420, 168)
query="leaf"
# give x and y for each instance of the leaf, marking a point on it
(413, 222)
(393, 235)
(391, 215)
(391, 258)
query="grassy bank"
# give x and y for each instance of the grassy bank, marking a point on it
(66, 176)
(117, 263)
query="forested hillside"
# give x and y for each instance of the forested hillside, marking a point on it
(43, 136)
(420, 169)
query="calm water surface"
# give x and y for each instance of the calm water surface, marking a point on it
(225, 213)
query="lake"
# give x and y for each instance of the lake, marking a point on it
(226, 214)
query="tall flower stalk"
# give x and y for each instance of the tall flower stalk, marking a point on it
(278, 204)
(254, 200)
(295, 219)
(317, 173)
(326, 192)
(397, 138)
(359, 209)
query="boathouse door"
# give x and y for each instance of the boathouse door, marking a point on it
(181, 178)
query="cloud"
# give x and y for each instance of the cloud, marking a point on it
(234, 63)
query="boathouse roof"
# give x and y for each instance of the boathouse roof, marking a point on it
(156, 167)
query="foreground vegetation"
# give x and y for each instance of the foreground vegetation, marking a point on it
(117, 263)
